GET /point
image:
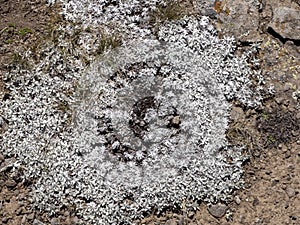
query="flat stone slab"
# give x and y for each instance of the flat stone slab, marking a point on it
(286, 22)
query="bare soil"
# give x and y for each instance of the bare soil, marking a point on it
(271, 133)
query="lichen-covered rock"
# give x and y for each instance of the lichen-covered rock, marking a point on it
(286, 22)
(232, 19)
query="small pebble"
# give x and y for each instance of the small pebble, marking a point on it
(286, 205)
(30, 216)
(286, 87)
(290, 192)
(37, 222)
(237, 200)
(10, 183)
(1, 158)
(171, 222)
(23, 221)
(5, 220)
(218, 210)
(279, 100)
(54, 221)
(75, 220)
(2, 183)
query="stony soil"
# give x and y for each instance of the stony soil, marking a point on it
(271, 133)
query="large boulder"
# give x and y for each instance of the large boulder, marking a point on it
(286, 22)
(240, 19)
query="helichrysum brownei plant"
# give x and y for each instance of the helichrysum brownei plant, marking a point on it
(149, 117)
(153, 119)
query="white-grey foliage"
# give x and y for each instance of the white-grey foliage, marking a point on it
(148, 123)
(128, 16)
(189, 77)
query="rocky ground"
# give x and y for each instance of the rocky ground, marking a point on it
(271, 133)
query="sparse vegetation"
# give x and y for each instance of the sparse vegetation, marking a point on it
(239, 133)
(8, 41)
(108, 41)
(13, 25)
(17, 60)
(172, 10)
(25, 31)
(277, 126)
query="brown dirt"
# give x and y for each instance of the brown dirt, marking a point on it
(271, 194)
(15, 16)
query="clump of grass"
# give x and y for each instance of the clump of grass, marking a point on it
(63, 106)
(25, 31)
(9, 29)
(76, 35)
(172, 10)
(52, 30)
(10, 34)
(12, 29)
(17, 60)
(8, 41)
(108, 41)
(12, 25)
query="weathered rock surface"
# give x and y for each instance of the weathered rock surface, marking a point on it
(234, 19)
(286, 22)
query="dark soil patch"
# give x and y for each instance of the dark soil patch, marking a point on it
(278, 126)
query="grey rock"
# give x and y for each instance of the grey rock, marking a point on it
(286, 204)
(286, 22)
(24, 218)
(190, 214)
(37, 222)
(290, 192)
(5, 220)
(171, 222)
(75, 220)
(182, 221)
(218, 210)
(298, 115)
(54, 221)
(237, 114)
(1, 158)
(10, 183)
(237, 200)
(19, 211)
(242, 21)
(2, 183)
(211, 13)
(3, 125)
(30, 216)
(293, 217)
(286, 87)
(279, 100)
